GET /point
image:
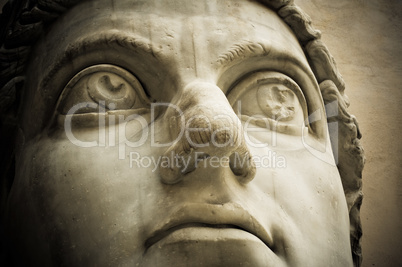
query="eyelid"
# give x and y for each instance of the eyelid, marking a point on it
(71, 95)
(266, 77)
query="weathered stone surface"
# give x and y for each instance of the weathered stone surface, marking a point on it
(163, 133)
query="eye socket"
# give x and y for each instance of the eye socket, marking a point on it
(270, 99)
(111, 87)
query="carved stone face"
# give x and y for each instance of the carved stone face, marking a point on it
(177, 95)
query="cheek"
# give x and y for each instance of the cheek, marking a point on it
(303, 184)
(310, 206)
(87, 198)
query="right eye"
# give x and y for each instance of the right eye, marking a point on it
(108, 86)
(270, 100)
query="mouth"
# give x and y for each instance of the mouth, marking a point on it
(162, 235)
(229, 216)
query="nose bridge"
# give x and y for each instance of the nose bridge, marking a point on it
(207, 126)
(210, 123)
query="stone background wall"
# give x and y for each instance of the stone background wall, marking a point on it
(365, 37)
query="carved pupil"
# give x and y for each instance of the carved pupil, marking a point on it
(277, 101)
(106, 87)
(112, 89)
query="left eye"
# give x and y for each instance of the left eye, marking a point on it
(277, 101)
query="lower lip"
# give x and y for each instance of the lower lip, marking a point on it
(205, 246)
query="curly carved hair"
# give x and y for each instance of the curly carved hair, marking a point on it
(23, 22)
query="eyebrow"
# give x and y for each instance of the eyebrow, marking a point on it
(247, 49)
(242, 50)
(112, 38)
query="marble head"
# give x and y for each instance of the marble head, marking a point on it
(180, 133)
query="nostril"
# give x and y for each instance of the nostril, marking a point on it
(170, 174)
(243, 166)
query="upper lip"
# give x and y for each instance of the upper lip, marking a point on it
(230, 215)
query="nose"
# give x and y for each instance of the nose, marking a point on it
(204, 125)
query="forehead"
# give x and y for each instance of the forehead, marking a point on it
(224, 23)
(245, 9)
